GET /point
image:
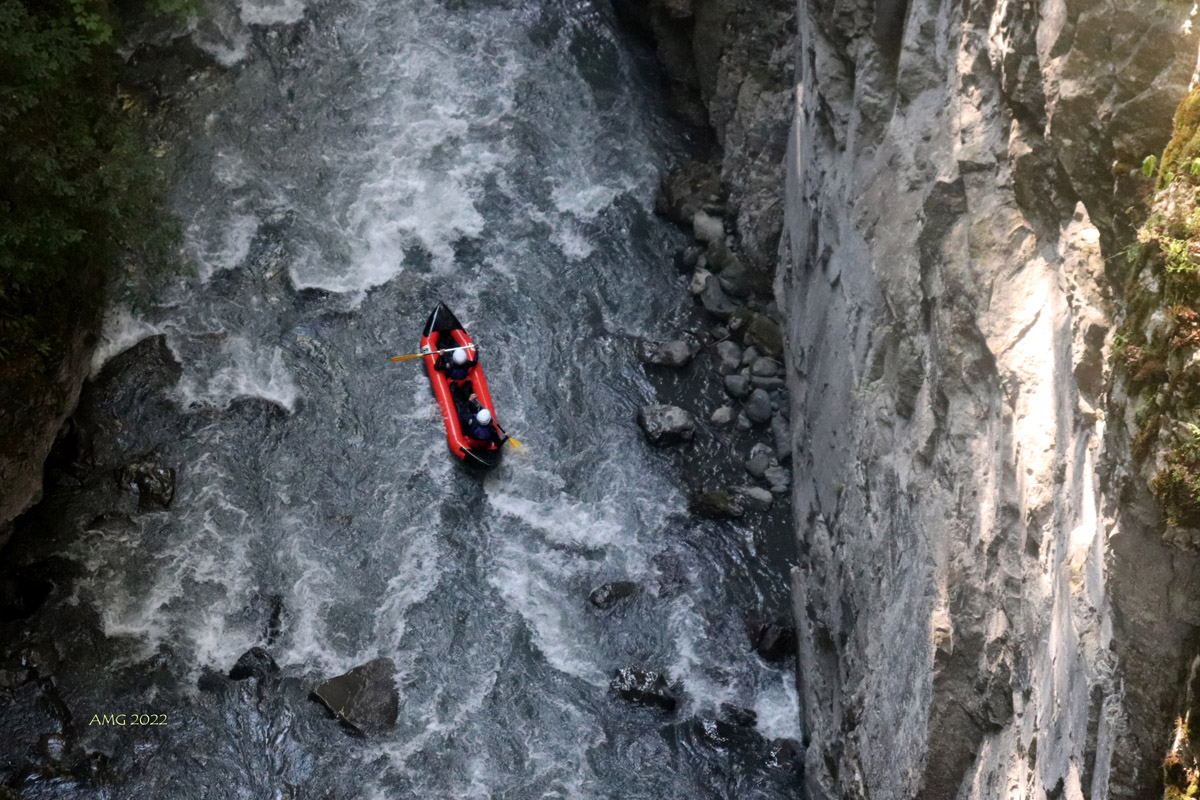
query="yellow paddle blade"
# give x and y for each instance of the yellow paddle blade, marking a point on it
(406, 358)
(512, 441)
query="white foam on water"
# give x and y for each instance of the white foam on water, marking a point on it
(239, 370)
(311, 597)
(420, 573)
(778, 708)
(223, 248)
(272, 12)
(433, 150)
(120, 331)
(195, 555)
(572, 241)
(219, 31)
(561, 520)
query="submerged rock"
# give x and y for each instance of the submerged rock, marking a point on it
(609, 594)
(786, 754)
(365, 698)
(643, 687)
(153, 483)
(773, 641)
(733, 727)
(254, 663)
(665, 425)
(717, 505)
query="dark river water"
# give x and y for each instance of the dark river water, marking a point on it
(352, 164)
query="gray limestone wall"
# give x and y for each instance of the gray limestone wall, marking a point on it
(985, 604)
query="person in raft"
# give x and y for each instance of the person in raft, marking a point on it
(458, 366)
(480, 426)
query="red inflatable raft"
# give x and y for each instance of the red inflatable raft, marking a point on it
(443, 332)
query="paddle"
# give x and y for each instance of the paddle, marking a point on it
(433, 352)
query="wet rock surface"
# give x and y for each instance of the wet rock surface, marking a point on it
(609, 594)
(254, 663)
(643, 687)
(666, 425)
(365, 698)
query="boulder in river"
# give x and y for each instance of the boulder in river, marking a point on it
(758, 406)
(753, 497)
(722, 416)
(674, 354)
(153, 483)
(254, 663)
(733, 727)
(737, 385)
(761, 458)
(365, 698)
(717, 505)
(609, 594)
(665, 425)
(730, 355)
(643, 687)
(764, 335)
(786, 754)
(773, 641)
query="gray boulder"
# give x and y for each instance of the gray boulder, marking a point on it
(735, 281)
(749, 356)
(737, 385)
(722, 416)
(764, 334)
(730, 355)
(365, 698)
(673, 354)
(715, 300)
(782, 431)
(758, 407)
(760, 460)
(778, 478)
(666, 425)
(765, 367)
(767, 384)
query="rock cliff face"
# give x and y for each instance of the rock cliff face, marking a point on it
(985, 602)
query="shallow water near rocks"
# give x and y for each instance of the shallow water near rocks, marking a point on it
(357, 163)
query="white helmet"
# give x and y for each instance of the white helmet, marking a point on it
(459, 357)
(484, 416)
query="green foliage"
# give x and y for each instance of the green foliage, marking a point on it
(78, 192)
(1148, 165)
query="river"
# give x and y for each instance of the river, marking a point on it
(350, 165)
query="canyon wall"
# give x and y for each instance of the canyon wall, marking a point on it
(985, 601)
